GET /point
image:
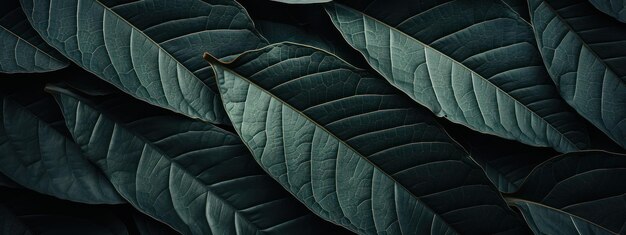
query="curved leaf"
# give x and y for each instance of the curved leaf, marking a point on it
(585, 53)
(37, 152)
(193, 176)
(22, 49)
(352, 149)
(614, 8)
(579, 191)
(150, 49)
(478, 66)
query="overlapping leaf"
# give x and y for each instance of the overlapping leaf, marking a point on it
(150, 49)
(197, 178)
(21, 49)
(37, 151)
(585, 53)
(473, 62)
(614, 8)
(352, 149)
(576, 193)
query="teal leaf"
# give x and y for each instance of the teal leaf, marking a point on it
(614, 8)
(477, 66)
(585, 53)
(149, 49)
(194, 176)
(22, 49)
(576, 193)
(37, 152)
(352, 149)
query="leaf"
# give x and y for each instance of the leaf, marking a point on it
(353, 150)
(194, 176)
(507, 163)
(520, 7)
(37, 152)
(477, 66)
(614, 8)
(585, 53)
(576, 193)
(302, 1)
(22, 49)
(149, 49)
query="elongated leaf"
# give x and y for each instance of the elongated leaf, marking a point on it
(478, 66)
(195, 177)
(614, 8)
(585, 53)
(150, 49)
(507, 163)
(352, 149)
(22, 50)
(576, 193)
(37, 152)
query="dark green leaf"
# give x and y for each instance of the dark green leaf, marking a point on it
(149, 49)
(585, 53)
(474, 63)
(22, 49)
(37, 152)
(197, 178)
(576, 193)
(357, 153)
(614, 8)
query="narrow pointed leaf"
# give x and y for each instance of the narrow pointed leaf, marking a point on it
(585, 53)
(195, 177)
(352, 149)
(478, 66)
(37, 152)
(614, 8)
(22, 50)
(149, 49)
(576, 193)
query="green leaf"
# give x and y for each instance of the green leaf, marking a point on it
(477, 66)
(576, 193)
(149, 49)
(37, 152)
(585, 53)
(194, 176)
(614, 8)
(352, 149)
(22, 49)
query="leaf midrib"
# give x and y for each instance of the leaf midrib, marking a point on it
(335, 137)
(462, 65)
(166, 156)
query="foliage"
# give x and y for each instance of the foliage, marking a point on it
(312, 117)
